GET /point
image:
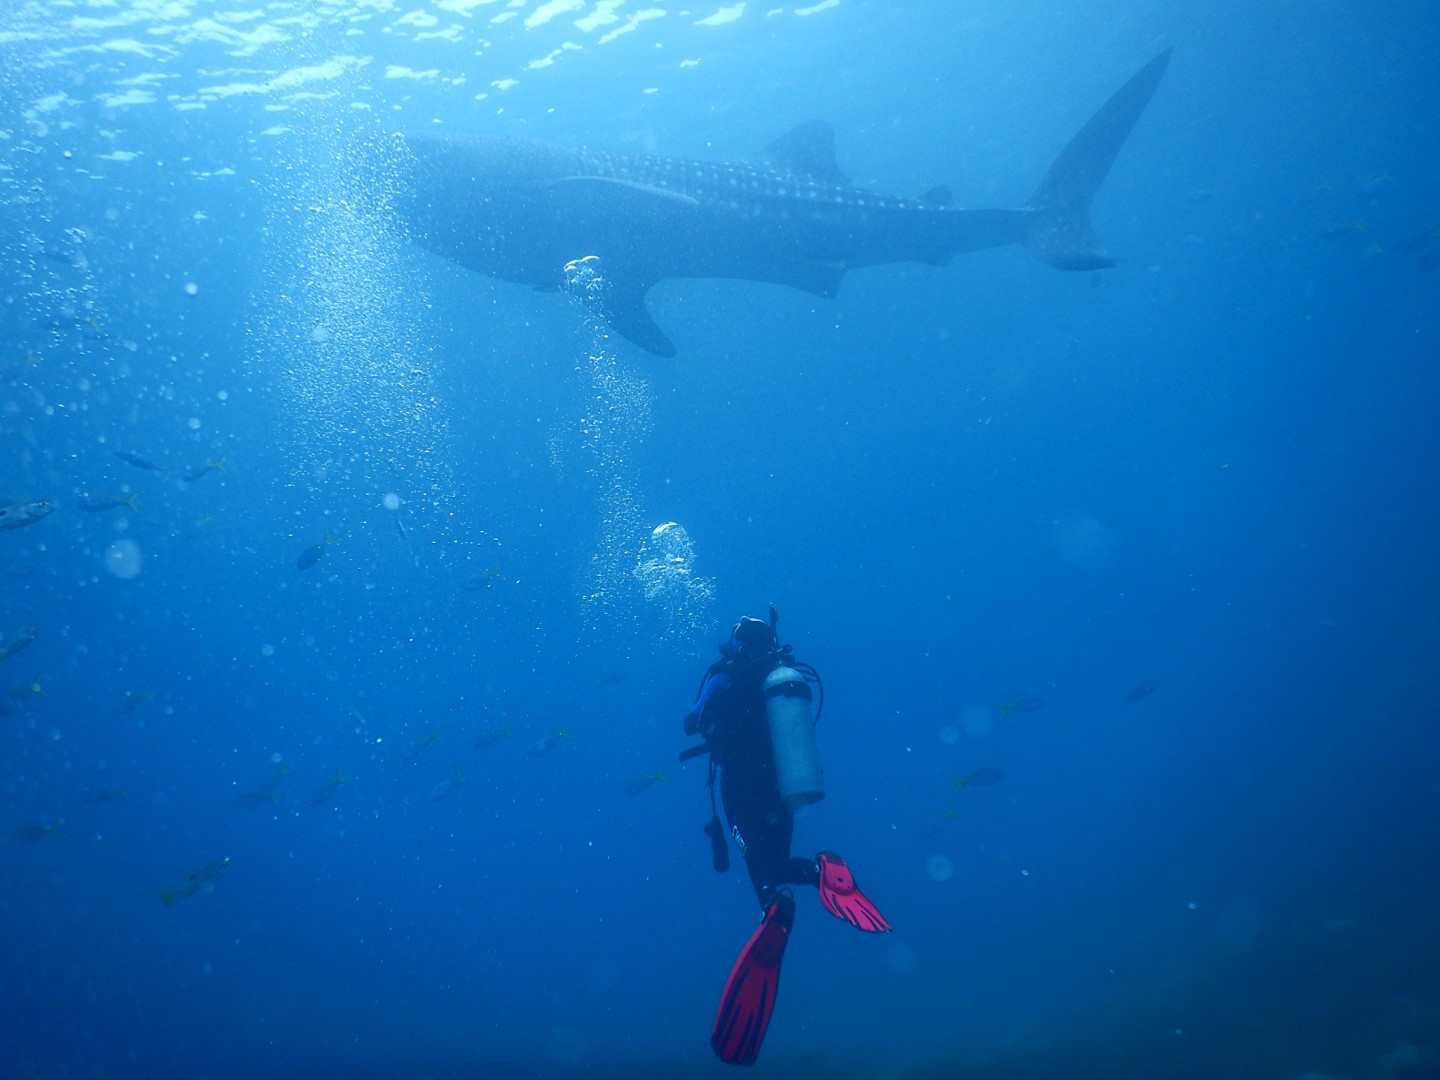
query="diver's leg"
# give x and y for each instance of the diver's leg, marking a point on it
(761, 830)
(799, 871)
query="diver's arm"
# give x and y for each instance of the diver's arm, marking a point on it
(713, 685)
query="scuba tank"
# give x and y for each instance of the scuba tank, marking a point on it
(792, 738)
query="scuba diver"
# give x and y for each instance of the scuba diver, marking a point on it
(753, 711)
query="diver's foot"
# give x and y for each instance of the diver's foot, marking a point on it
(843, 899)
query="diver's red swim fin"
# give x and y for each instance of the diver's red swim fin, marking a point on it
(843, 899)
(749, 995)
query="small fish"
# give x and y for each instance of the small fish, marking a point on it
(100, 503)
(65, 258)
(611, 678)
(24, 693)
(1376, 184)
(1201, 195)
(1339, 232)
(490, 738)
(17, 515)
(84, 323)
(13, 699)
(1419, 241)
(311, 555)
(17, 641)
(987, 777)
(138, 461)
(1144, 690)
(35, 831)
(481, 579)
(1027, 704)
(267, 793)
(96, 796)
(327, 789)
(18, 572)
(133, 700)
(12, 373)
(642, 783)
(445, 788)
(203, 469)
(197, 881)
(420, 745)
(940, 819)
(546, 743)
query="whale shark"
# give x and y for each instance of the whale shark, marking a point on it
(521, 209)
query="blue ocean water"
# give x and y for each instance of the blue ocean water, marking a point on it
(1212, 468)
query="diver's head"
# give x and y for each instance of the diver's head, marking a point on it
(752, 635)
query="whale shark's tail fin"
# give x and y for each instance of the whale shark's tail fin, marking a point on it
(1060, 231)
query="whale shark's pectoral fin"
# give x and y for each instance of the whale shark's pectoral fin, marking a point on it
(623, 307)
(643, 209)
(818, 279)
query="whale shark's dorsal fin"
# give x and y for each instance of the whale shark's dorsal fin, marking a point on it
(942, 198)
(807, 151)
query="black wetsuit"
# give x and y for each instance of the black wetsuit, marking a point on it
(731, 714)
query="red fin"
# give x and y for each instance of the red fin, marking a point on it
(749, 995)
(843, 899)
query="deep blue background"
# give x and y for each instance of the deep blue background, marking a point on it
(960, 485)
